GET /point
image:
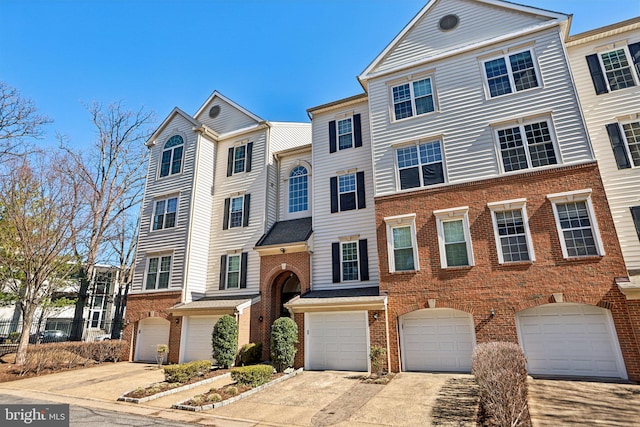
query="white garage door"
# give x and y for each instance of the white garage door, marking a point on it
(570, 339)
(151, 332)
(197, 337)
(337, 341)
(437, 339)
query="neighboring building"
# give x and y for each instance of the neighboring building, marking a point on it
(606, 70)
(456, 201)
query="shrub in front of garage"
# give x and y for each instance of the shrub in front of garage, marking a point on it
(284, 337)
(224, 341)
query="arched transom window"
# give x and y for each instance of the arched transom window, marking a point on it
(298, 189)
(172, 156)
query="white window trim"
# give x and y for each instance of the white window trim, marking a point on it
(354, 191)
(226, 276)
(231, 211)
(353, 141)
(236, 146)
(634, 73)
(454, 214)
(153, 216)
(402, 221)
(146, 271)
(410, 80)
(511, 205)
(621, 123)
(417, 144)
(342, 243)
(576, 196)
(184, 146)
(286, 178)
(505, 55)
(521, 123)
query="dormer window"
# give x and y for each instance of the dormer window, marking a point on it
(172, 156)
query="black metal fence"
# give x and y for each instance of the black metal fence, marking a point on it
(58, 329)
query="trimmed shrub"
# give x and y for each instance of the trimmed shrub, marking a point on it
(250, 354)
(501, 372)
(253, 375)
(184, 372)
(231, 390)
(224, 341)
(284, 337)
(214, 398)
(376, 355)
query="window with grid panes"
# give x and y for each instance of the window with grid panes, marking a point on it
(577, 230)
(165, 213)
(345, 133)
(172, 156)
(158, 269)
(512, 73)
(526, 146)
(413, 99)
(455, 243)
(233, 271)
(239, 158)
(632, 137)
(420, 165)
(347, 191)
(349, 261)
(618, 69)
(403, 249)
(298, 189)
(236, 212)
(512, 235)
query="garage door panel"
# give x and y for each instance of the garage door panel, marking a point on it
(337, 341)
(151, 332)
(437, 340)
(570, 340)
(197, 344)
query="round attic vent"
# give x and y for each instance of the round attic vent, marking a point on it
(214, 111)
(448, 22)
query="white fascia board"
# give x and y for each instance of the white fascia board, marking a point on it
(176, 111)
(237, 132)
(228, 101)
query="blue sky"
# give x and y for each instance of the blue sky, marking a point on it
(276, 58)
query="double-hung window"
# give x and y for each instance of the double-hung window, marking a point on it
(412, 99)
(525, 146)
(512, 73)
(233, 270)
(511, 231)
(345, 133)
(347, 192)
(625, 141)
(158, 270)
(454, 237)
(402, 243)
(172, 156)
(350, 260)
(164, 215)
(576, 224)
(236, 211)
(239, 159)
(615, 69)
(420, 165)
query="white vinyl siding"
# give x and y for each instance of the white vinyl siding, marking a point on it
(175, 239)
(490, 21)
(619, 106)
(229, 119)
(328, 228)
(465, 117)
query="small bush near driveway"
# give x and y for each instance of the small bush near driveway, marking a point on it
(501, 373)
(184, 372)
(253, 376)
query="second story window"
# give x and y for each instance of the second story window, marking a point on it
(298, 189)
(164, 215)
(236, 212)
(615, 69)
(172, 156)
(402, 243)
(512, 73)
(454, 237)
(345, 133)
(420, 165)
(347, 192)
(625, 141)
(511, 231)
(158, 270)
(239, 159)
(526, 146)
(233, 271)
(412, 99)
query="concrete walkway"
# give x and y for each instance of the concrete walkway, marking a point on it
(309, 399)
(581, 403)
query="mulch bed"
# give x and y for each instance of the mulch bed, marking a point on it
(9, 371)
(160, 387)
(225, 393)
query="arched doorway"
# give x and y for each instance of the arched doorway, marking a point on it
(290, 289)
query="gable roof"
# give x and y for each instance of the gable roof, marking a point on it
(175, 112)
(283, 232)
(550, 19)
(235, 105)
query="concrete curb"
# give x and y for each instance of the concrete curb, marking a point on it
(180, 405)
(123, 398)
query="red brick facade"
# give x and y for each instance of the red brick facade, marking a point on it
(507, 288)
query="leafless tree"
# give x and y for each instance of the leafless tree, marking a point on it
(19, 119)
(38, 214)
(113, 173)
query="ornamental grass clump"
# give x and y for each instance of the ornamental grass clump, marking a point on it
(501, 373)
(224, 341)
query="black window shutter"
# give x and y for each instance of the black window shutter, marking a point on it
(364, 259)
(249, 152)
(223, 271)
(230, 162)
(225, 220)
(334, 194)
(335, 262)
(245, 210)
(243, 270)
(634, 50)
(361, 193)
(332, 136)
(617, 143)
(357, 130)
(635, 214)
(597, 76)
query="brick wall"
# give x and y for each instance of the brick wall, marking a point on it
(298, 362)
(378, 332)
(510, 288)
(141, 306)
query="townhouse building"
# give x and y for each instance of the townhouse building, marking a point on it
(457, 200)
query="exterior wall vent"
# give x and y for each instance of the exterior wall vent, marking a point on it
(214, 111)
(448, 22)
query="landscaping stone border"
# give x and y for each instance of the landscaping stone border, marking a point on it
(123, 398)
(234, 398)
